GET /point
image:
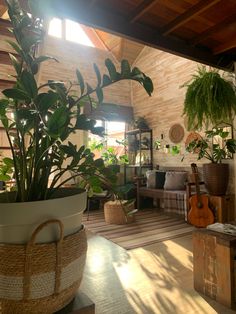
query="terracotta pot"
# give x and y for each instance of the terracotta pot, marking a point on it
(216, 178)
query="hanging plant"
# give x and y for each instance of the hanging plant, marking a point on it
(210, 99)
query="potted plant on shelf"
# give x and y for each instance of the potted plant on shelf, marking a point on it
(38, 121)
(214, 147)
(210, 99)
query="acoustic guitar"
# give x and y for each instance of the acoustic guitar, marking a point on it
(200, 214)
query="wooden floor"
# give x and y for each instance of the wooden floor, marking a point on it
(151, 280)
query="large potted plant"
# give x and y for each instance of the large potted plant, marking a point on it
(210, 99)
(215, 147)
(38, 120)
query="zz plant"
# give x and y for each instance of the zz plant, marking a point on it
(39, 119)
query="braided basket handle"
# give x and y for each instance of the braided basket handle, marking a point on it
(28, 257)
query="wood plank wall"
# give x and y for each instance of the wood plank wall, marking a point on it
(165, 107)
(71, 56)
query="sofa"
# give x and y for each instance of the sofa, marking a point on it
(170, 187)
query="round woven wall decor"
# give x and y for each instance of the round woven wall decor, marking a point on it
(191, 137)
(176, 133)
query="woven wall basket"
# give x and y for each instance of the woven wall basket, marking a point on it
(41, 278)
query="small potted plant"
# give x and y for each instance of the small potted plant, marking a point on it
(215, 147)
(210, 99)
(38, 121)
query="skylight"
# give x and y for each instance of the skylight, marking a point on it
(70, 31)
(75, 33)
(55, 27)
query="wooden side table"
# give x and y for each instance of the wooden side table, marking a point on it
(214, 265)
(223, 207)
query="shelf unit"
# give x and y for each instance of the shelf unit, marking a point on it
(140, 152)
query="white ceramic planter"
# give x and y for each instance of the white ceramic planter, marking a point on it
(18, 220)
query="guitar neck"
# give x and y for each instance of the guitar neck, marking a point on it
(195, 173)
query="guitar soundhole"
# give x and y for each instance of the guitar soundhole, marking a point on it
(199, 205)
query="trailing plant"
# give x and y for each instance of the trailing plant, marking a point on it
(214, 147)
(210, 99)
(41, 118)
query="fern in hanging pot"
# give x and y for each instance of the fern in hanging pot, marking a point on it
(210, 99)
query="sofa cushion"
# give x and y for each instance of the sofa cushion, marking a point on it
(175, 180)
(160, 179)
(151, 179)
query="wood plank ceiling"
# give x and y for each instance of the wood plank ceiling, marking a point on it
(201, 30)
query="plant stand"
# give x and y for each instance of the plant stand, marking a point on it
(114, 212)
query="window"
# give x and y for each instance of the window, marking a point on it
(115, 131)
(75, 33)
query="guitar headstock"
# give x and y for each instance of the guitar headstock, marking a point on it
(194, 168)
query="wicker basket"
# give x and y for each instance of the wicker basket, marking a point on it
(41, 278)
(114, 212)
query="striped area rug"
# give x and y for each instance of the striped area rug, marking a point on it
(150, 227)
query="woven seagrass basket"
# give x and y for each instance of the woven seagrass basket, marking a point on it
(41, 278)
(114, 212)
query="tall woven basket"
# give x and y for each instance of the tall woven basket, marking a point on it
(41, 278)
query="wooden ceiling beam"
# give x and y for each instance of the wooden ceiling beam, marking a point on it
(118, 25)
(195, 10)
(145, 6)
(214, 29)
(230, 44)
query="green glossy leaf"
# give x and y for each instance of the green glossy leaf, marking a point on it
(8, 161)
(89, 89)
(15, 93)
(148, 85)
(106, 80)
(99, 94)
(44, 58)
(15, 46)
(125, 69)
(98, 74)
(80, 81)
(111, 69)
(29, 84)
(46, 100)
(4, 177)
(16, 63)
(57, 121)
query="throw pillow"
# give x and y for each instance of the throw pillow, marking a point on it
(151, 179)
(160, 179)
(175, 180)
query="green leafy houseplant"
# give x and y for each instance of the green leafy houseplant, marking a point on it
(214, 147)
(210, 99)
(42, 117)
